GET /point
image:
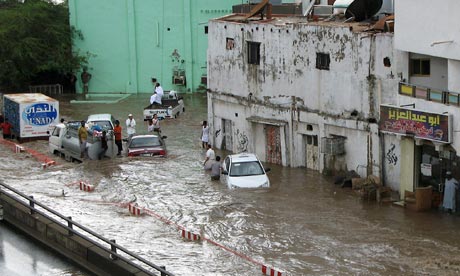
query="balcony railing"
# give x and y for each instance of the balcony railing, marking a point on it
(429, 94)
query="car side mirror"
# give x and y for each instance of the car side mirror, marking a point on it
(225, 172)
(267, 169)
(164, 137)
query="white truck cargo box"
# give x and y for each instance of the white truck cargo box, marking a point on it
(31, 114)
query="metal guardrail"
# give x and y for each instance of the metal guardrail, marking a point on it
(46, 89)
(32, 203)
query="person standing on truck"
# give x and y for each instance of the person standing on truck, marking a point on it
(130, 126)
(104, 145)
(6, 129)
(82, 137)
(159, 91)
(117, 133)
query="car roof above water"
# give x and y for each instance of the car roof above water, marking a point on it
(144, 136)
(244, 157)
(99, 117)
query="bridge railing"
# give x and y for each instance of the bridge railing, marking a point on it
(84, 233)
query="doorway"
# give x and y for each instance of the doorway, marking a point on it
(311, 152)
(227, 138)
(273, 144)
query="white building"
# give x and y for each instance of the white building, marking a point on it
(428, 32)
(303, 93)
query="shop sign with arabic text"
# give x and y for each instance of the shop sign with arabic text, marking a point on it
(412, 122)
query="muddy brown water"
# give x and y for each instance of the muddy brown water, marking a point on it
(302, 225)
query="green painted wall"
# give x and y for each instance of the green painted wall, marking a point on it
(133, 40)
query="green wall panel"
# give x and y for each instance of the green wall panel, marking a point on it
(133, 41)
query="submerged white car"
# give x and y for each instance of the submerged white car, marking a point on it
(245, 170)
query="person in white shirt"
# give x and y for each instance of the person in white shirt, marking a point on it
(154, 124)
(210, 158)
(153, 98)
(450, 188)
(159, 91)
(130, 126)
(205, 135)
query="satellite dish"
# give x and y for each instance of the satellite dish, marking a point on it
(363, 9)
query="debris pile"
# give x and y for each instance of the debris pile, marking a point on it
(371, 188)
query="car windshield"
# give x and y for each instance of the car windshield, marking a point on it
(145, 142)
(246, 169)
(105, 125)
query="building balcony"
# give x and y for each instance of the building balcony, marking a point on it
(429, 94)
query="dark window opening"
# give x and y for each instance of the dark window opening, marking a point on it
(253, 52)
(230, 43)
(386, 62)
(205, 29)
(420, 67)
(322, 61)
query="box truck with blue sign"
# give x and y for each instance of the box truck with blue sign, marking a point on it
(31, 114)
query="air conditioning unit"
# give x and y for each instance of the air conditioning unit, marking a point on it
(322, 10)
(178, 77)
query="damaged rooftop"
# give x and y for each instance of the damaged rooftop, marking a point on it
(318, 15)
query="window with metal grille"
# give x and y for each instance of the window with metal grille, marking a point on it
(254, 52)
(322, 61)
(420, 67)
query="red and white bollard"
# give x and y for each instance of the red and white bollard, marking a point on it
(270, 271)
(48, 164)
(190, 236)
(134, 209)
(18, 148)
(86, 187)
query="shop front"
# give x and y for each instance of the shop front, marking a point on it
(426, 154)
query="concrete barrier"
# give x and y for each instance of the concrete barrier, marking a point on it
(93, 256)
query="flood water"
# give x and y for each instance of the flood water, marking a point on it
(302, 225)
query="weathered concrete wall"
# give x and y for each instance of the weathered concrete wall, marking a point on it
(89, 255)
(391, 160)
(288, 65)
(288, 87)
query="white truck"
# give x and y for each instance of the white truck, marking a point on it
(171, 106)
(31, 114)
(63, 140)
